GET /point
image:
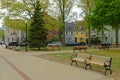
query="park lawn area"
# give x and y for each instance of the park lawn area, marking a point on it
(65, 57)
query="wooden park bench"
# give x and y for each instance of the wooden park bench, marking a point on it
(52, 48)
(79, 48)
(101, 61)
(91, 60)
(81, 57)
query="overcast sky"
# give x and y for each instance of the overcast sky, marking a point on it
(1, 20)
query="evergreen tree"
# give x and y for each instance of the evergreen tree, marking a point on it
(38, 32)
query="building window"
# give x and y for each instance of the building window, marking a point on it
(18, 39)
(73, 33)
(12, 39)
(75, 39)
(76, 32)
(81, 39)
(69, 33)
(81, 32)
(105, 38)
(69, 28)
(8, 39)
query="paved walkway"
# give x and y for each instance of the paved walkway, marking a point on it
(22, 66)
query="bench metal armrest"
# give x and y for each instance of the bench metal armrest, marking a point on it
(86, 60)
(107, 63)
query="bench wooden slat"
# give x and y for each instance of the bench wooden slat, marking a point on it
(96, 63)
(77, 59)
(99, 59)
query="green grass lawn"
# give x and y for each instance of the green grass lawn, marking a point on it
(115, 54)
(44, 48)
(67, 48)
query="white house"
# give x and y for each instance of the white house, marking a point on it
(110, 36)
(2, 37)
(12, 35)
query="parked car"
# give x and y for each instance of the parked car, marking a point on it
(105, 44)
(13, 44)
(55, 44)
(75, 44)
(82, 43)
(2, 42)
(71, 44)
(22, 44)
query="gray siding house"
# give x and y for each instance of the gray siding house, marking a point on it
(110, 36)
(12, 35)
(69, 32)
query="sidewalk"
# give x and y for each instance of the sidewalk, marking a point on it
(18, 66)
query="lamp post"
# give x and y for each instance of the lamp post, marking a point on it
(26, 33)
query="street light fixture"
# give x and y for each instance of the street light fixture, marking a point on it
(26, 33)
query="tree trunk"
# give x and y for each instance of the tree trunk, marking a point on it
(102, 36)
(63, 35)
(89, 36)
(39, 48)
(116, 36)
(63, 28)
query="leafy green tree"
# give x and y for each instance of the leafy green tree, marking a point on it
(54, 38)
(106, 12)
(100, 17)
(86, 6)
(2, 34)
(20, 10)
(38, 32)
(114, 17)
(17, 24)
(63, 9)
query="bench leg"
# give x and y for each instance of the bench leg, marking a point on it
(73, 62)
(108, 69)
(73, 49)
(88, 65)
